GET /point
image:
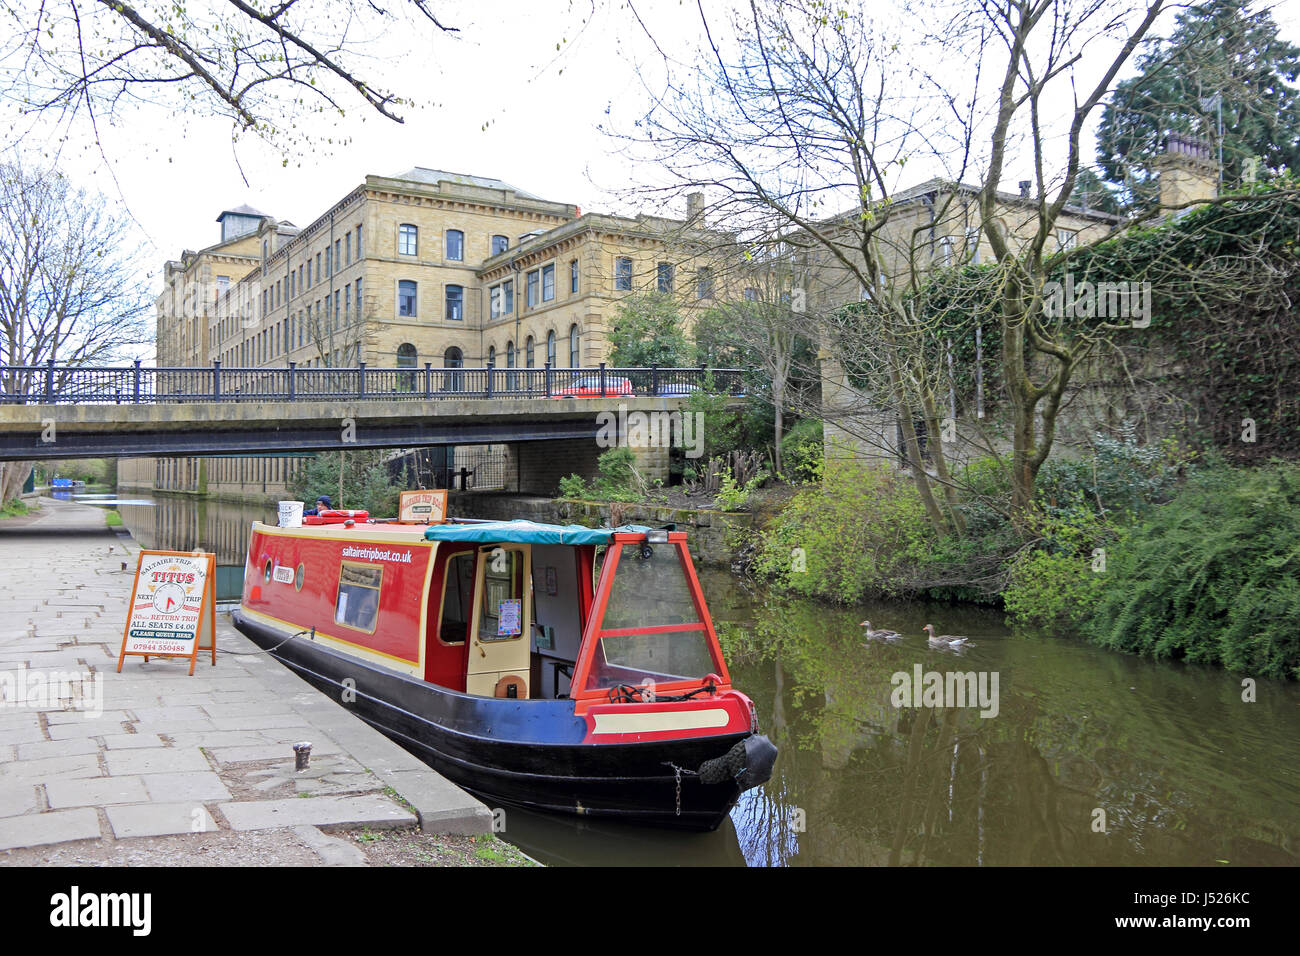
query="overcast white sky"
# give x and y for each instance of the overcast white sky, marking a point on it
(500, 102)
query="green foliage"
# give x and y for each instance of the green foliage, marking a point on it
(803, 450)
(366, 482)
(1122, 478)
(1056, 584)
(733, 496)
(573, 487)
(646, 331)
(15, 507)
(112, 519)
(858, 533)
(617, 480)
(1212, 577)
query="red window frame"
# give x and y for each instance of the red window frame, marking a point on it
(593, 632)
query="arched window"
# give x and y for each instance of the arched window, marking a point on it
(455, 244)
(492, 355)
(550, 348)
(510, 354)
(407, 357)
(453, 358)
(528, 352)
(573, 346)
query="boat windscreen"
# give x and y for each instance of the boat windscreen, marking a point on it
(651, 629)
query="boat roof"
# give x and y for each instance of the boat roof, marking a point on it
(528, 532)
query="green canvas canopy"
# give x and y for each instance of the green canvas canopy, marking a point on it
(528, 532)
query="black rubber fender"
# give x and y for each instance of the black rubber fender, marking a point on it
(749, 763)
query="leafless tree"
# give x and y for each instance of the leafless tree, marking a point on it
(264, 65)
(71, 292)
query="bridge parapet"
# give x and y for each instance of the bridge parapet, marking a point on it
(137, 385)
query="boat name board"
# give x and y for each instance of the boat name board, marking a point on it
(377, 554)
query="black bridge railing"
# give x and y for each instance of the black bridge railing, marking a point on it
(140, 385)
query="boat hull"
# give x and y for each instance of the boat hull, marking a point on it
(529, 753)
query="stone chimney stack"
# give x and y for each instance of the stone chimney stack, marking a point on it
(1187, 169)
(694, 206)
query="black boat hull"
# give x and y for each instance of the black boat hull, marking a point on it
(523, 752)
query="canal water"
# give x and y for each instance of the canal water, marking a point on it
(1092, 758)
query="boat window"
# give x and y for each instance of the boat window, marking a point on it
(501, 618)
(651, 629)
(358, 600)
(299, 577)
(458, 585)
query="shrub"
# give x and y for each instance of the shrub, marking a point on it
(1213, 577)
(803, 451)
(857, 533)
(1057, 583)
(573, 487)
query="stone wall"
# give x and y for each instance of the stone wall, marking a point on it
(706, 531)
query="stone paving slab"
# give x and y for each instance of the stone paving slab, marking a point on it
(37, 771)
(41, 829)
(17, 798)
(373, 810)
(156, 760)
(200, 785)
(94, 792)
(158, 819)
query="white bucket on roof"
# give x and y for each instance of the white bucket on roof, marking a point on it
(291, 514)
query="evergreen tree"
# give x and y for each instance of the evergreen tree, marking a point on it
(1217, 49)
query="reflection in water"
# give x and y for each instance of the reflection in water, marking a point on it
(1186, 773)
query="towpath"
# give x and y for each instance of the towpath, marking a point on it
(152, 764)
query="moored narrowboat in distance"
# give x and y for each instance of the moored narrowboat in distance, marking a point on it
(560, 668)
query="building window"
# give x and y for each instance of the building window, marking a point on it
(528, 352)
(500, 244)
(573, 346)
(358, 297)
(347, 249)
(455, 303)
(406, 297)
(453, 358)
(548, 283)
(704, 284)
(223, 283)
(492, 355)
(751, 294)
(532, 288)
(665, 277)
(455, 244)
(573, 276)
(622, 274)
(1066, 239)
(359, 242)
(973, 245)
(510, 354)
(407, 357)
(319, 274)
(408, 240)
(550, 348)
(495, 302)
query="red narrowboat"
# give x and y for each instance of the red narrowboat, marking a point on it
(560, 668)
